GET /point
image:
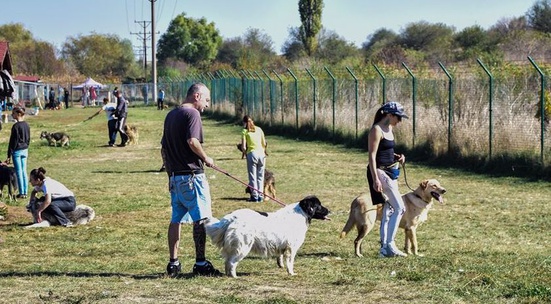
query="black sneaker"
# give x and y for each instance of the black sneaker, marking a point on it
(173, 270)
(206, 270)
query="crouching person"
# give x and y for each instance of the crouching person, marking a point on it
(56, 198)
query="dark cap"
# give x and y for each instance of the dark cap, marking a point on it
(395, 108)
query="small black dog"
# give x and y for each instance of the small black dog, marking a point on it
(9, 178)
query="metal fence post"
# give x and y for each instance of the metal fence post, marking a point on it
(413, 99)
(384, 81)
(261, 92)
(542, 107)
(270, 81)
(356, 95)
(490, 110)
(450, 105)
(314, 95)
(334, 97)
(281, 95)
(296, 97)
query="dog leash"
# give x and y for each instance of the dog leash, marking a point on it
(249, 186)
(405, 177)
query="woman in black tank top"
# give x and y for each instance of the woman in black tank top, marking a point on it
(382, 174)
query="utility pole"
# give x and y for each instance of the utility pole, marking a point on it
(144, 24)
(153, 52)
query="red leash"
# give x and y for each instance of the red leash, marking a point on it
(251, 187)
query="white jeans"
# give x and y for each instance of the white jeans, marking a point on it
(393, 209)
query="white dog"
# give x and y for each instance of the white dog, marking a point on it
(279, 233)
(82, 215)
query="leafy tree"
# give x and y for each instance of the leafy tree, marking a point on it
(432, 39)
(539, 16)
(190, 40)
(253, 50)
(310, 19)
(29, 56)
(293, 48)
(334, 49)
(379, 43)
(230, 51)
(101, 55)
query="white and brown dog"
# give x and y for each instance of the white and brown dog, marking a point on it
(82, 215)
(418, 203)
(280, 233)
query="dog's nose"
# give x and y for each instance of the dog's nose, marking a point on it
(443, 190)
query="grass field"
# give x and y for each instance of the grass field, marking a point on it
(489, 242)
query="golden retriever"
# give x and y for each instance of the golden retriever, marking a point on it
(418, 203)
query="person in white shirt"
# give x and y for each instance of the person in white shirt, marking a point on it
(56, 198)
(109, 109)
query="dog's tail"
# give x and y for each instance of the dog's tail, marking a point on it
(216, 230)
(349, 224)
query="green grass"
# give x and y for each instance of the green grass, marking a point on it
(489, 242)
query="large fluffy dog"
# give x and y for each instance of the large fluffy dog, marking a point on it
(418, 203)
(279, 233)
(82, 215)
(8, 178)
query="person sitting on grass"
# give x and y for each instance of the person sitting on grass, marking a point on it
(56, 200)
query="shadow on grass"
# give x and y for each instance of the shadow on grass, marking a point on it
(154, 276)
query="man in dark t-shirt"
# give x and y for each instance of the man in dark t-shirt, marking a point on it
(184, 160)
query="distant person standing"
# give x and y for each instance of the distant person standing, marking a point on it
(160, 100)
(120, 113)
(253, 144)
(66, 97)
(93, 96)
(51, 99)
(145, 92)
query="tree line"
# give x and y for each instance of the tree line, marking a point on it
(195, 45)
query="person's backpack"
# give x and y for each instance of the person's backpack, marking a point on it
(8, 86)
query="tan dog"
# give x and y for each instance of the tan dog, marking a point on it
(133, 135)
(418, 203)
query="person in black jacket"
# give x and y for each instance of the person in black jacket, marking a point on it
(18, 149)
(120, 113)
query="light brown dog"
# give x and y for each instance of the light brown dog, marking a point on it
(133, 135)
(418, 203)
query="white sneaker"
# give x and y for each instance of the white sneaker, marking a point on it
(393, 251)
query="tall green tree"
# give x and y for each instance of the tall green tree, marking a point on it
(310, 19)
(539, 16)
(99, 55)
(251, 51)
(189, 40)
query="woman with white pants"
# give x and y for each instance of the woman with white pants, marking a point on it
(253, 144)
(382, 174)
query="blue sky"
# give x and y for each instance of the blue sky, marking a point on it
(54, 21)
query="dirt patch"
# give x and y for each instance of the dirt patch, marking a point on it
(16, 215)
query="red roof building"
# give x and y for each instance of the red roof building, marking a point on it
(5, 58)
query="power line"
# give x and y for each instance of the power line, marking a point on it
(144, 36)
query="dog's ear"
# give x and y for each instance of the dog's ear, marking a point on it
(424, 184)
(308, 205)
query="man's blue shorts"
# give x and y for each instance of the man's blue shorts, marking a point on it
(190, 198)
